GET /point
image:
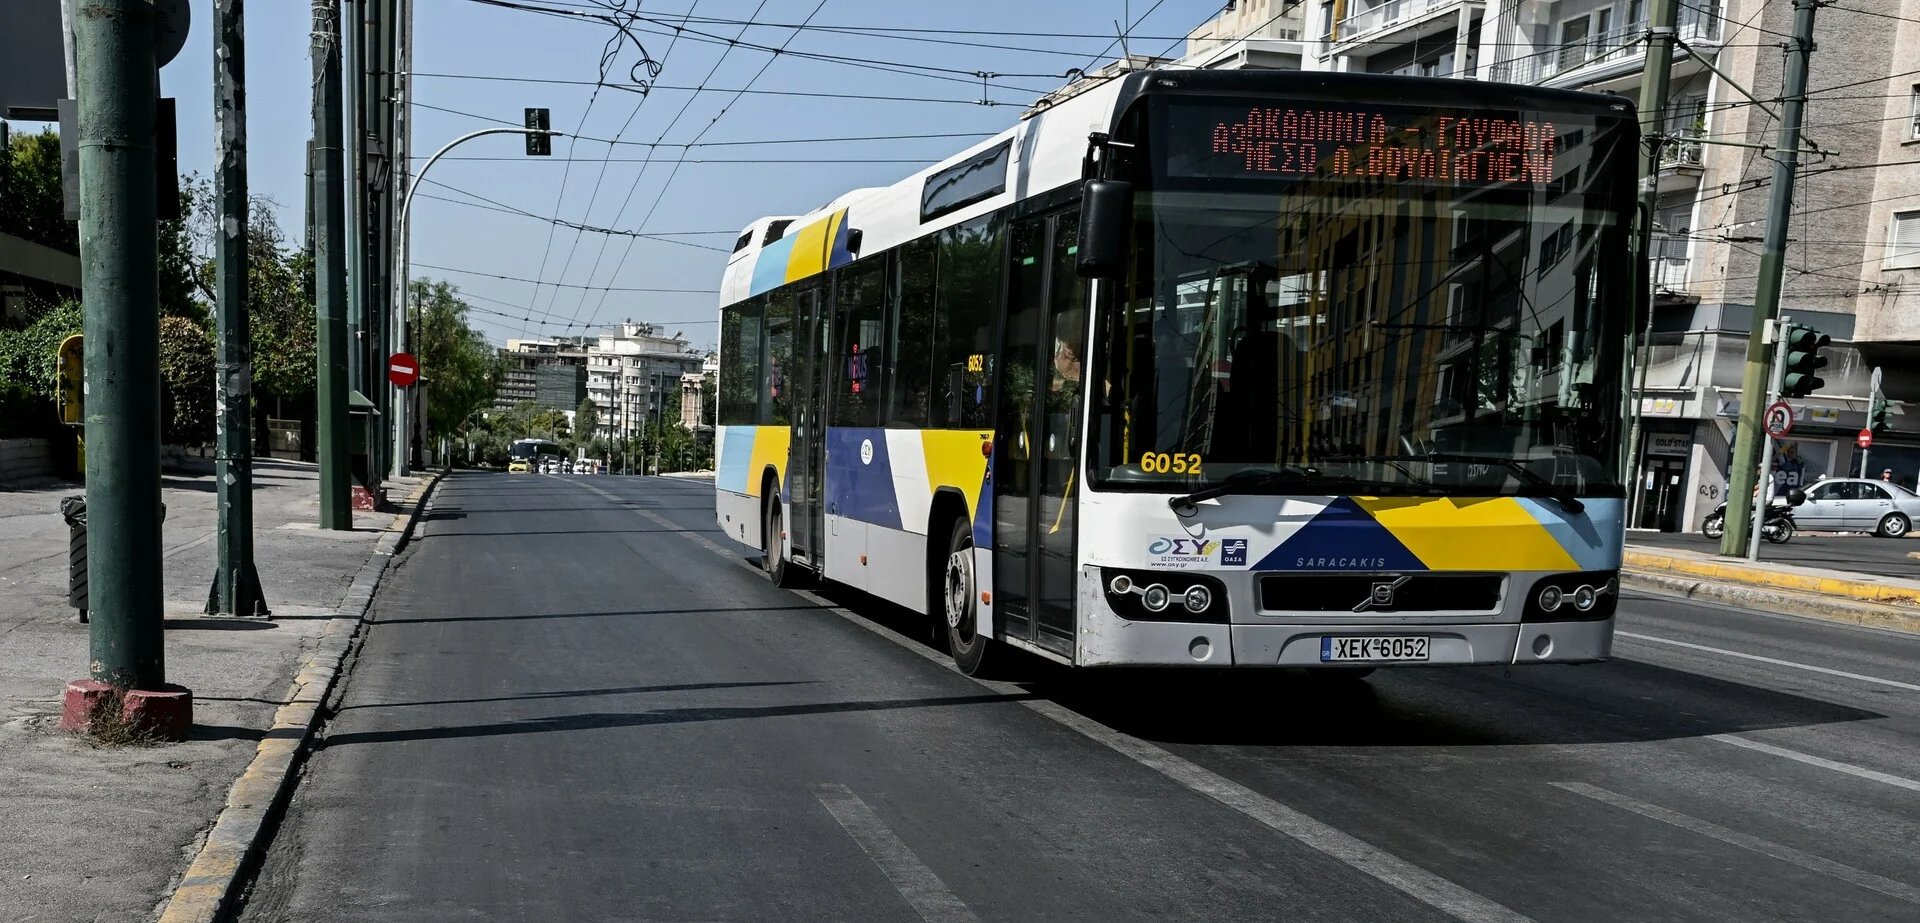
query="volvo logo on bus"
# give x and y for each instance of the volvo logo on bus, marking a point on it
(1382, 595)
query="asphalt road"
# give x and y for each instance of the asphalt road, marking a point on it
(1864, 554)
(578, 704)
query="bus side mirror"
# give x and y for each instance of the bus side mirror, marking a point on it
(1106, 217)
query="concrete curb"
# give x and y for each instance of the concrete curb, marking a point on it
(207, 891)
(1861, 587)
(1774, 599)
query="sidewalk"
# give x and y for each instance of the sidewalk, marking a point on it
(102, 834)
(1877, 599)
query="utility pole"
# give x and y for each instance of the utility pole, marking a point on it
(1653, 128)
(330, 281)
(1766, 297)
(401, 183)
(119, 264)
(353, 55)
(236, 584)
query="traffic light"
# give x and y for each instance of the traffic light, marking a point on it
(540, 145)
(1878, 412)
(1803, 345)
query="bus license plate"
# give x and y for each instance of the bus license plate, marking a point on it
(1334, 650)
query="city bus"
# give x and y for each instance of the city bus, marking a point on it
(526, 455)
(1209, 368)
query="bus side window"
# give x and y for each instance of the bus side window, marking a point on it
(910, 404)
(970, 279)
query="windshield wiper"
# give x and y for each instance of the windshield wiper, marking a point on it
(1555, 492)
(1251, 479)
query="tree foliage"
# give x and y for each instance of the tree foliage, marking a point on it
(187, 393)
(462, 369)
(586, 418)
(32, 205)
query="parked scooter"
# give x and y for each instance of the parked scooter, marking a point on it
(1779, 527)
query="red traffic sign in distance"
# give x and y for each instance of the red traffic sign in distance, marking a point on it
(403, 369)
(1865, 439)
(1779, 419)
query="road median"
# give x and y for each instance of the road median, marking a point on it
(1861, 599)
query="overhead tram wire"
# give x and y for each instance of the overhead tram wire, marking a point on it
(807, 94)
(597, 288)
(481, 158)
(907, 68)
(600, 179)
(648, 161)
(679, 162)
(590, 229)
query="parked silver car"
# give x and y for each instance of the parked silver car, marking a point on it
(1858, 505)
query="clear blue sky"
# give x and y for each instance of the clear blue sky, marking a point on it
(707, 193)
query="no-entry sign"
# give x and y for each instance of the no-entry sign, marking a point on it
(403, 369)
(1865, 439)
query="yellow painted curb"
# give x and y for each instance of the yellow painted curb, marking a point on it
(1751, 575)
(206, 892)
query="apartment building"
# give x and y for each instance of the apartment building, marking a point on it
(630, 372)
(1853, 259)
(522, 379)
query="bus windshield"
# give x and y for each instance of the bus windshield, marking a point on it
(1352, 291)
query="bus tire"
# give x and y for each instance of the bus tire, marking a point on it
(773, 552)
(960, 606)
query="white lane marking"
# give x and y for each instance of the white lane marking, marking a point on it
(1910, 687)
(1410, 879)
(1838, 870)
(1822, 762)
(918, 884)
(1414, 881)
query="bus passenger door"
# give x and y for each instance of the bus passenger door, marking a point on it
(1037, 437)
(807, 460)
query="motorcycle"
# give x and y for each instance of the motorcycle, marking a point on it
(1779, 527)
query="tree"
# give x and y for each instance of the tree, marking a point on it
(32, 203)
(186, 381)
(462, 369)
(586, 419)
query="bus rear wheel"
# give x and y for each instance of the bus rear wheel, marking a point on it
(773, 551)
(959, 603)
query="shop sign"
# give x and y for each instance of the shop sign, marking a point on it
(1660, 406)
(1823, 415)
(1669, 444)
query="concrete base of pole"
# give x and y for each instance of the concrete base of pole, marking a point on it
(165, 713)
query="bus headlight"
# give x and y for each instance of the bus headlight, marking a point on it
(1584, 597)
(1120, 585)
(1550, 599)
(1198, 598)
(1156, 598)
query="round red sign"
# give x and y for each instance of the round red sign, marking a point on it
(1865, 439)
(403, 369)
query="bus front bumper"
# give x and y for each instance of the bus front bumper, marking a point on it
(1108, 640)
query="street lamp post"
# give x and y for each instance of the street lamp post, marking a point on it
(403, 279)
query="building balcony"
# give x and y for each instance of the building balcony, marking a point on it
(1384, 21)
(1670, 273)
(1583, 59)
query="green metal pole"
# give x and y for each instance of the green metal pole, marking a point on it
(236, 584)
(1766, 296)
(353, 51)
(119, 265)
(1661, 17)
(330, 278)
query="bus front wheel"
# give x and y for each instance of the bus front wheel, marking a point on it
(959, 603)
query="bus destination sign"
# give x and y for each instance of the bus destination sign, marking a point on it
(1409, 145)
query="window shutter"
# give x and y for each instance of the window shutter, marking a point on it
(1904, 248)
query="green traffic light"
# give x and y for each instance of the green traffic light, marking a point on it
(1803, 345)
